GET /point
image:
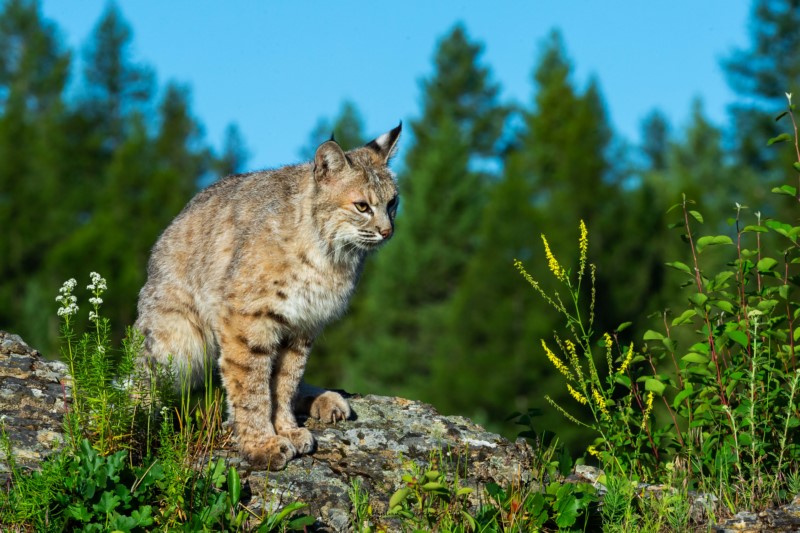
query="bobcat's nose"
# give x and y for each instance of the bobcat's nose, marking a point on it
(385, 233)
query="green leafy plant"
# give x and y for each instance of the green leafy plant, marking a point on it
(558, 505)
(428, 499)
(717, 390)
(103, 493)
(361, 518)
(139, 459)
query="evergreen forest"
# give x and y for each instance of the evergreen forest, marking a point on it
(90, 177)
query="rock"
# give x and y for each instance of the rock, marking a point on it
(378, 447)
(785, 519)
(33, 393)
(386, 436)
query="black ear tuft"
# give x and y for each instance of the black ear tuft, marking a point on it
(332, 137)
(386, 144)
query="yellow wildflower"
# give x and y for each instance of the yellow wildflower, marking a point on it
(583, 245)
(627, 360)
(552, 262)
(573, 358)
(593, 451)
(580, 398)
(648, 408)
(593, 270)
(560, 366)
(600, 401)
(609, 344)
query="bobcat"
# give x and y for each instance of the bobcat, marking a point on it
(249, 273)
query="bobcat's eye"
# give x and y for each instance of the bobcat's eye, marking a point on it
(362, 207)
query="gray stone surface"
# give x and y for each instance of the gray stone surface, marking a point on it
(378, 445)
(33, 394)
(785, 519)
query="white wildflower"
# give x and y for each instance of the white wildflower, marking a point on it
(67, 300)
(93, 316)
(789, 97)
(68, 310)
(68, 286)
(95, 301)
(98, 282)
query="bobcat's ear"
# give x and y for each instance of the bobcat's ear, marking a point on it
(386, 144)
(328, 160)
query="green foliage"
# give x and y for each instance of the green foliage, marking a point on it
(563, 506)
(724, 370)
(87, 491)
(433, 499)
(89, 179)
(102, 492)
(429, 501)
(118, 474)
(361, 517)
(111, 395)
(347, 128)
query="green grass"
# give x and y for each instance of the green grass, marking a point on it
(138, 457)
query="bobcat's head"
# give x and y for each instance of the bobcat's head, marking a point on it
(356, 198)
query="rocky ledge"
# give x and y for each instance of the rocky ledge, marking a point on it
(378, 446)
(387, 436)
(384, 438)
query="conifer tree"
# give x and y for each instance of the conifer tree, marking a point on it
(87, 185)
(347, 128)
(388, 337)
(555, 173)
(762, 74)
(33, 73)
(116, 86)
(233, 158)
(655, 132)
(141, 159)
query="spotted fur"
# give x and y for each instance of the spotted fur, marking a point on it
(249, 273)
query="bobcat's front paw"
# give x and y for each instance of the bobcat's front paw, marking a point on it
(301, 438)
(330, 407)
(273, 454)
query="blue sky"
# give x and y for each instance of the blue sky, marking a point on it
(274, 68)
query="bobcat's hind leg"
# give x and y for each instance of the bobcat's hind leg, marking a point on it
(325, 405)
(174, 343)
